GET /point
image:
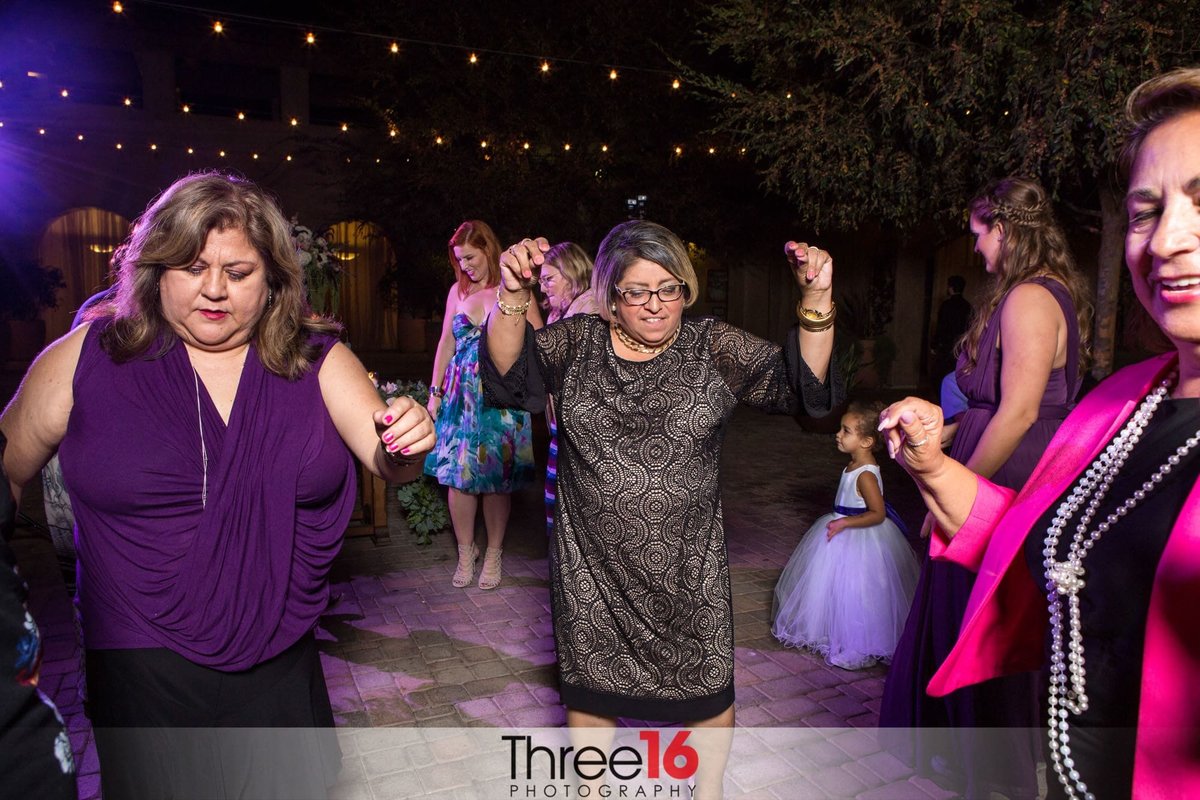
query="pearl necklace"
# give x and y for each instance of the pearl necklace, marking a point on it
(1064, 579)
(638, 347)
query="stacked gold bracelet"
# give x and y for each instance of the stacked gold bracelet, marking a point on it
(815, 321)
(512, 311)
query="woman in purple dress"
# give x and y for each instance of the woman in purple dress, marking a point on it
(1019, 365)
(206, 423)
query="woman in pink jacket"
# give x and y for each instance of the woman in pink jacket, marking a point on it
(1092, 571)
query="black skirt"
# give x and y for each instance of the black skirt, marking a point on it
(166, 727)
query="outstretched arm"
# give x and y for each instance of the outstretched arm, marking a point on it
(813, 270)
(392, 439)
(913, 428)
(506, 323)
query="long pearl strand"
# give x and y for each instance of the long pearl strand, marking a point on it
(1064, 579)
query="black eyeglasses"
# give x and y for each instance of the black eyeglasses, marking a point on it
(639, 297)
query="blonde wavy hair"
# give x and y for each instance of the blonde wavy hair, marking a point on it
(1033, 245)
(171, 233)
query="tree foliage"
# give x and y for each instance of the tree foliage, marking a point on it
(893, 112)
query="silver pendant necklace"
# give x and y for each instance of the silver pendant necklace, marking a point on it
(203, 449)
(1065, 579)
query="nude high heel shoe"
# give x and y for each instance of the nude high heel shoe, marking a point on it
(489, 574)
(467, 556)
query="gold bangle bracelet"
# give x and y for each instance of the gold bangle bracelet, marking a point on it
(512, 311)
(812, 315)
(813, 327)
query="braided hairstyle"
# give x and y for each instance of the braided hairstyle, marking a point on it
(1034, 245)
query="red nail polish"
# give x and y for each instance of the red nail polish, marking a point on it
(387, 437)
(404, 450)
(388, 419)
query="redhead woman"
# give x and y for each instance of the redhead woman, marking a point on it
(483, 454)
(1091, 571)
(207, 426)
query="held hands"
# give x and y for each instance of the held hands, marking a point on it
(812, 268)
(518, 262)
(912, 429)
(405, 430)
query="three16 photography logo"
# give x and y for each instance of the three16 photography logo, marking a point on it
(660, 764)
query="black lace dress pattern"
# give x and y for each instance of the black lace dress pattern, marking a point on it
(639, 571)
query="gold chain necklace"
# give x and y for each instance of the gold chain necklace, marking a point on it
(638, 347)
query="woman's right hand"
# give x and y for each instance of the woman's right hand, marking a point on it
(432, 405)
(518, 261)
(912, 429)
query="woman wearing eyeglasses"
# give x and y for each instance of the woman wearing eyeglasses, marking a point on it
(639, 574)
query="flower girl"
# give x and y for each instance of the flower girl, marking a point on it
(846, 590)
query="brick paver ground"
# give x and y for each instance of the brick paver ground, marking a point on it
(410, 660)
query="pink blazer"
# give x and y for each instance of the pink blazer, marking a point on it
(1004, 626)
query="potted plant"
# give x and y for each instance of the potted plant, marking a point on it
(26, 289)
(864, 316)
(425, 509)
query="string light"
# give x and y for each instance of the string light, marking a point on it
(254, 156)
(289, 157)
(545, 66)
(393, 133)
(678, 150)
(187, 109)
(117, 8)
(120, 146)
(675, 84)
(567, 147)
(437, 140)
(221, 153)
(612, 75)
(293, 122)
(345, 127)
(241, 116)
(483, 144)
(1, 123)
(128, 101)
(310, 38)
(603, 148)
(41, 131)
(525, 146)
(65, 93)
(218, 27)
(153, 147)
(395, 48)
(474, 59)
(80, 137)
(190, 151)
(712, 151)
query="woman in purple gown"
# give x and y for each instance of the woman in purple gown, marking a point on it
(205, 421)
(1019, 365)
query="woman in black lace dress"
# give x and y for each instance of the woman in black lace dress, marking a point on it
(639, 572)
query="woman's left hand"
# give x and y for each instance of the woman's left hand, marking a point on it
(405, 428)
(812, 268)
(912, 429)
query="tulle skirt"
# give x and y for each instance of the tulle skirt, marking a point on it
(846, 599)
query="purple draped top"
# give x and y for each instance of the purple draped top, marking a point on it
(228, 584)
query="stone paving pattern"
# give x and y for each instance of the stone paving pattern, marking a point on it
(402, 649)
